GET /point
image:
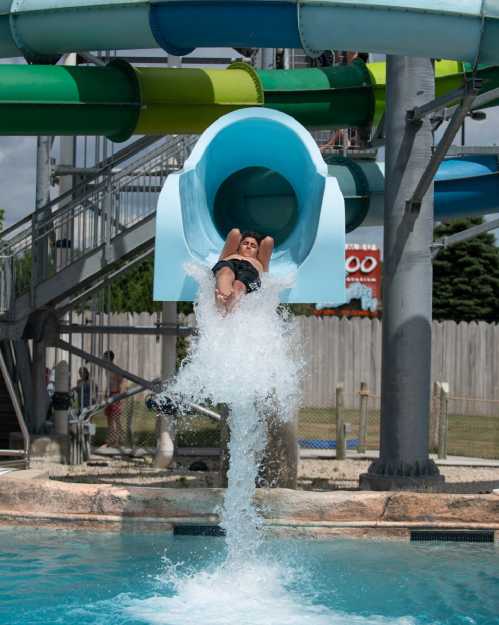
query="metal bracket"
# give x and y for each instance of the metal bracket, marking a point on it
(417, 114)
(453, 239)
(471, 91)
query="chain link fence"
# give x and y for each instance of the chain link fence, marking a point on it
(317, 427)
(459, 426)
(131, 427)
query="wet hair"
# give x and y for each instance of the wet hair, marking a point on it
(109, 354)
(253, 235)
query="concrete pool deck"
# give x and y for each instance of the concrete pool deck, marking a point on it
(30, 498)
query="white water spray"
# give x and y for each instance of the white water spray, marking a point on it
(250, 361)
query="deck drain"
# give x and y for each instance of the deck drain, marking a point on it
(198, 530)
(467, 536)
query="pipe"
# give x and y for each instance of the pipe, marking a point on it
(118, 100)
(43, 30)
(464, 186)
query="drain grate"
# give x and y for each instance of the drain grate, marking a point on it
(198, 530)
(467, 536)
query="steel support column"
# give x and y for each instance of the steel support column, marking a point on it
(407, 287)
(39, 272)
(166, 424)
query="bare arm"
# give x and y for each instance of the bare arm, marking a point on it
(231, 243)
(265, 252)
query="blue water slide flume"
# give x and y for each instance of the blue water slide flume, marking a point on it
(453, 29)
(463, 29)
(253, 169)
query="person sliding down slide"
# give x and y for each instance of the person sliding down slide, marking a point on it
(238, 269)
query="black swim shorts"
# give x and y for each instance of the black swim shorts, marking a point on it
(243, 270)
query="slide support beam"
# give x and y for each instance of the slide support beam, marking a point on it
(414, 203)
(404, 462)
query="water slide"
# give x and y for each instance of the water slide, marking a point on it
(291, 193)
(194, 206)
(120, 100)
(42, 30)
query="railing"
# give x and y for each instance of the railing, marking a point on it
(89, 216)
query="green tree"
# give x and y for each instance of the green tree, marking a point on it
(133, 291)
(466, 276)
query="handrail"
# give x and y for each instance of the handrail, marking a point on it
(104, 165)
(105, 210)
(88, 413)
(83, 192)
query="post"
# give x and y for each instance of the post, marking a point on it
(404, 462)
(435, 416)
(443, 422)
(61, 398)
(363, 418)
(268, 58)
(39, 271)
(39, 252)
(166, 425)
(340, 425)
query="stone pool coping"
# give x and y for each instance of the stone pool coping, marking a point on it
(29, 498)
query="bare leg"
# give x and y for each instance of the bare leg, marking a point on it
(223, 289)
(265, 252)
(238, 290)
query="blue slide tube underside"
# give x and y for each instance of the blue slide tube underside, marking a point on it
(181, 27)
(466, 187)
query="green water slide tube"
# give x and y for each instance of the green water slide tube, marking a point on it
(119, 100)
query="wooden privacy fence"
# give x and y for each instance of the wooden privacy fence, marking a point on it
(335, 350)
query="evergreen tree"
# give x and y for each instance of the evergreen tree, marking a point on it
(466, 276)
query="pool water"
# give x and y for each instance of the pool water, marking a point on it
(66, 578)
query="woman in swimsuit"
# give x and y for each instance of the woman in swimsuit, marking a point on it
(237, 272)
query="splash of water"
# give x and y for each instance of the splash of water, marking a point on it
(249, 361)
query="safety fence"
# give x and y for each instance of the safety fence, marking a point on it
(459, 425)
(132, 427)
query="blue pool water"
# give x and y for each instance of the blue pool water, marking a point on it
(67, 578)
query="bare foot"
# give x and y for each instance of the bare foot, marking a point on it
(234, 299)
(221, 301)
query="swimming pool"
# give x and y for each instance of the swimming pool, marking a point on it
(66, 578)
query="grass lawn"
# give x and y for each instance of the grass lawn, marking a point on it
(474, 436)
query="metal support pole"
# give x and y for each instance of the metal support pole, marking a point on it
(268, 58)
(166, 425)
(404, 462)
(39, 252)
(39, 271)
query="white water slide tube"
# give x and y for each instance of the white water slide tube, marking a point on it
(42, 30)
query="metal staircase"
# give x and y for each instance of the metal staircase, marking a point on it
(54, 257)
(83, 234)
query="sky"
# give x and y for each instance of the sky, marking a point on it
(18, 155)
